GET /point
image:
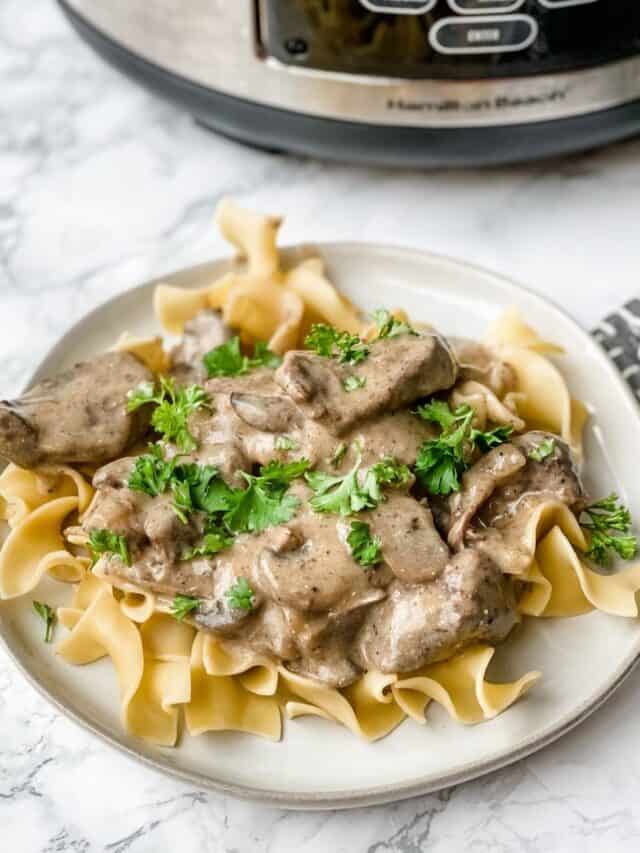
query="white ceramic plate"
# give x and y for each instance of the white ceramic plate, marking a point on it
(319, 764)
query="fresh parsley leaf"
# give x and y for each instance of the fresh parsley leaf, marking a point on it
(439, 467)
(48, 616)
(442, 461)
(283, 442)
(183, 605)
(352, 383)
(609, 524)
(344, 495)
(108, 542)
(328, 342)
(228, 359)
(213, 541)
(173, 407)
(389, 326)
(240, 596)
(338, 455)
(170, 418)
(140, 396)
(282, 473)
(387, 472)
(365, 548)
(486, 441)
(195, 488)
(151, 473)
(265, 502)
(543, 450)
(338, 494)
(438, 412)
(263, 357)
(255, 509)
(182, 501)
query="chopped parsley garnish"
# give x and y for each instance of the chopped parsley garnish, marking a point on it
(365, 548)
(213, 541)
(442, 461)
(345, 495)
(543, 450)
(338, 455)
(240, 596)
(151, 473)
(194, 487)
(173, 407)
(327, 341)
(228, 359)
(183, 605)
(283, 442)
(389, 326)
(486, 441)
(48, 616)
(200, 488)
(108, 542)
(265, 502)
(182, 501)
(353, 383)
(609, 524)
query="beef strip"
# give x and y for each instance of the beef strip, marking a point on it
(417, 625)
(78, 417)
(478, 484)
(204, 332)
(499, 525)
(397, 372)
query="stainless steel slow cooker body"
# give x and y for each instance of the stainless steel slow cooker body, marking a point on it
(277, 74)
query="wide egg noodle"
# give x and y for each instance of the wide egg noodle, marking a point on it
(104, 628)
(460, 686)
(136, 603)
(221, 703)
(35, 546)
(509, 329)
(257, 673)
(152, 665)
(263, 302)
(362, 708)
(22, 491)
(147, 350)
(320, 297)
(265, 310)
(488, 407)
(546, 403)
(560, 585)
(254, 235)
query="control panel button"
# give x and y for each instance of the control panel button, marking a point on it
(490, 34)
(399, 7)
(560, 4)
(484, 7)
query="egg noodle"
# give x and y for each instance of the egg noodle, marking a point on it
(164, 665)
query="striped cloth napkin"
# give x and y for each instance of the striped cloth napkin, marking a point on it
(619, 336)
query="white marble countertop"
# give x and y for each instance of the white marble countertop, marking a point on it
(101, 187)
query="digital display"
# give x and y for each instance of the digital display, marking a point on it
(456, 39)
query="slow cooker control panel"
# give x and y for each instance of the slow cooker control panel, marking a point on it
(456, 39)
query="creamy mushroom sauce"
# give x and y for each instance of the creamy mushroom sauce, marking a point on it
(441, 585)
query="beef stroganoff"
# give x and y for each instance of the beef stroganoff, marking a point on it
(294, 507)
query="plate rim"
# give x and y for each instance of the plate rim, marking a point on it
(359, 797)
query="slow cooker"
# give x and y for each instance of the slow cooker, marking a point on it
(402, 82)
